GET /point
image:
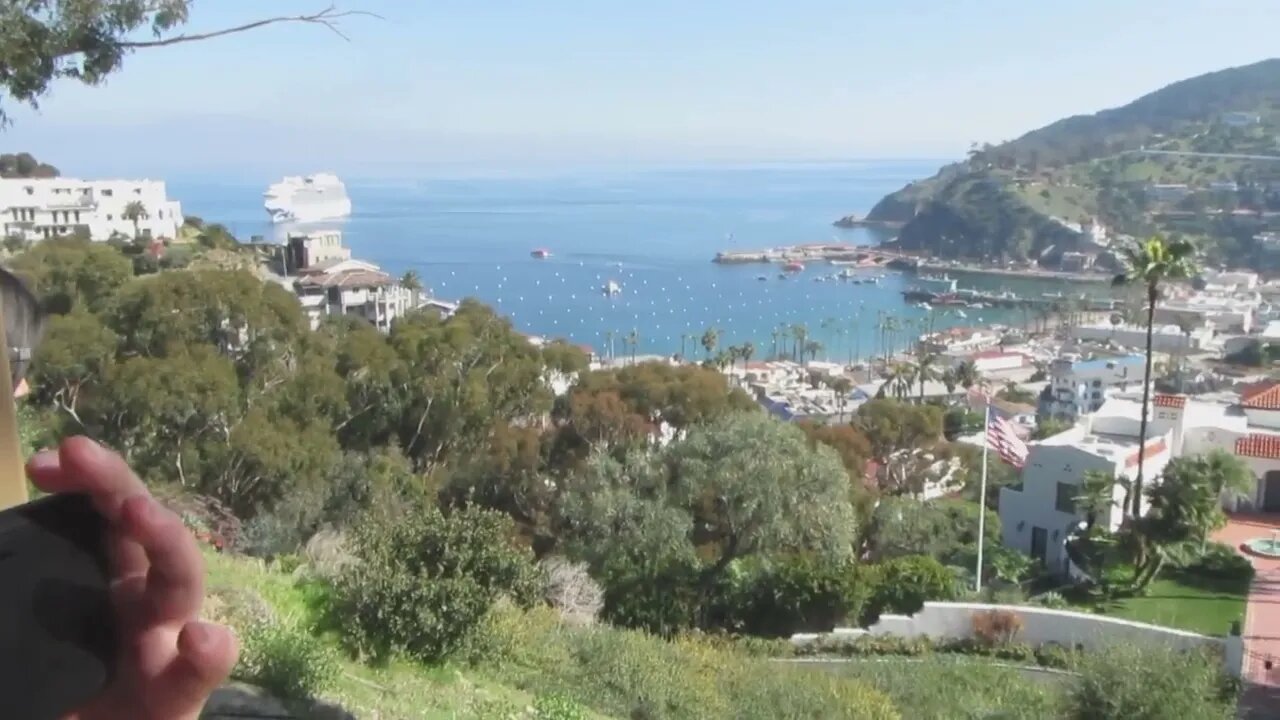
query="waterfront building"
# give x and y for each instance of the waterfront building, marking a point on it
(1164, 338)
(1078, 387)
(1230, 281)
(34, 209)
(353, 287)
(960, 340)
(994, 360)
(1222, 313)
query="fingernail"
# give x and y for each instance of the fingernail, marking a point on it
(43, 460)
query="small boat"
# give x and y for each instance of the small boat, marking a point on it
(540, 254)
(612, 288)
(962, 314)
(762, 278)
(793, 267)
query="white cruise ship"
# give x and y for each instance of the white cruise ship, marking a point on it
(308, 199)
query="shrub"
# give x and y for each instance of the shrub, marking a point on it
(789, 595)
(422, 584)
(902, 586)
(1128, 683)
(663, 601)
(1221, 561)
(554, 706)
(996, 627)
(285, 660)
(1052, 600)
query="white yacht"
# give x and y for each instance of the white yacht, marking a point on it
(312, 198)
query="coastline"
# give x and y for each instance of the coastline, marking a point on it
(933, 266)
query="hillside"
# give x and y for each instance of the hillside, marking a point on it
(1215, 134)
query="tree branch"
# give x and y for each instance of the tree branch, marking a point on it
(328, 17)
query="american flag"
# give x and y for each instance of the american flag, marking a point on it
(1002, 438)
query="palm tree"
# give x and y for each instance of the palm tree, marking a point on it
(950, 380)
(410, 281)
(774, 335)
(926, 369)
(967, 374)
(812, 347)
(135, 211)
(745, 352)
(633, 339)
(1151, 262)
(710, 339)
(608, 336)
(1096, 496)
(799, 332)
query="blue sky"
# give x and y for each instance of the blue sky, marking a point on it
(498, 83)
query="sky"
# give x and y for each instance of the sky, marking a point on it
(563, 83)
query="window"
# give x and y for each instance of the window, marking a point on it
(1066, 501)
(1097, 383)
(108, 192)
(110, 216)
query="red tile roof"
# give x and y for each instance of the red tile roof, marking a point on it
(1171, 401)
(1151, 450)
(1259, 446)
(1262, 397)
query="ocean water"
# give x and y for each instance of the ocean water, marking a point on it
(654, 232)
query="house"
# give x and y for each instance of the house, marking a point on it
(33, 209)
(1230, 281)
(305, 250)
(1038, 515)
(1164, 338)
(1233, 313)
(353, 287)
(1076, 262)
(1077, 387)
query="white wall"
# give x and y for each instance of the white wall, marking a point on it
(1036, 504)
(1040, 626)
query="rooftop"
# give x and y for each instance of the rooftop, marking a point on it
(1263, 396)
(1259, 446)
(1106, 362)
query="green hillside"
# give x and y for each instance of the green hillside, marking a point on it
(1101, 166)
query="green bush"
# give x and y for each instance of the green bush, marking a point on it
(554, 706)
(664, 601)
(1221, 561)
(901, 586)
(1128, 683)
(789, 595)
(1048, 655)
(285, 660)
(423, 583)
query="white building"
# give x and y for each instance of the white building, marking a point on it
(1078, 387)
(1229, 314)
(353, 287)
(305, 250)
(1164, 338)
(990, 361)
(1230, 281)
(960, 340)
(1039, 515)
(38, 209)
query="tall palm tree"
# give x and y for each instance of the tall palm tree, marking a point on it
(134, 212)
(1150, 263)
(633, 339)
(842, 386)
(799, 332)
(710, 339)
(774, 334)
(812, 347)
(608, 337)
(745, 352)
(926, 369)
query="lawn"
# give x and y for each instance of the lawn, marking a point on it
(1188, 602)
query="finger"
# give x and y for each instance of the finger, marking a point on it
(175, 578)
(206, 654)
(127, 557)
(84, 466)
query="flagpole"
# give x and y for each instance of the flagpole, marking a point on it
(982, 495)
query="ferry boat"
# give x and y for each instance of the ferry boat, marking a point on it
(937, 283)
(541, 254)
(307, 199)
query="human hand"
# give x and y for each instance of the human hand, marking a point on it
(170, 661)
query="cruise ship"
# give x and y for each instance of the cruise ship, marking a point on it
(308, 199)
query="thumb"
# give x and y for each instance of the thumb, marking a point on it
(206, 654)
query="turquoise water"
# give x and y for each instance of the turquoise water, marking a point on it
(653, 232)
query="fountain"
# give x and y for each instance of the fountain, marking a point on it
(1266, 547)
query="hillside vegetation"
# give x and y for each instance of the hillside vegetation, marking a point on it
(1101, 167)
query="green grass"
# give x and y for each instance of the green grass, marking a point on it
(1178, 600)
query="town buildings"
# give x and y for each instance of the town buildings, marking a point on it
(329, 282)
(1078, 386)
(1164, 338)
(33, 209)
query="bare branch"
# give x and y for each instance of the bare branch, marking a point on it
(328, 17)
